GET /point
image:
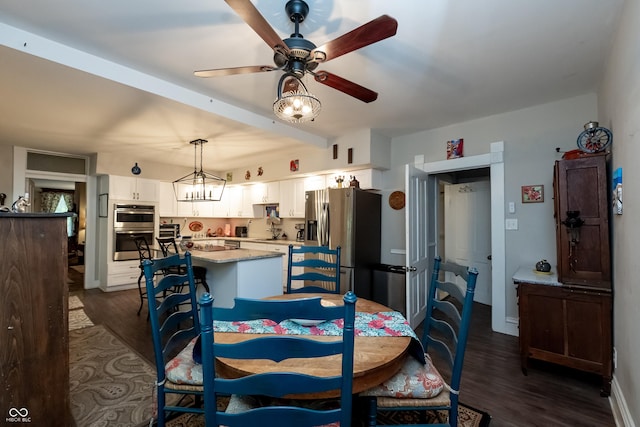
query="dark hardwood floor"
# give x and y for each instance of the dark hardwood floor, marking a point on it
(492, 380)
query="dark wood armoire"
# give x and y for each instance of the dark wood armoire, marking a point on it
(582, 203)
(34, 338)
(571, 324)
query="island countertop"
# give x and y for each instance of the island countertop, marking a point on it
(232, 255)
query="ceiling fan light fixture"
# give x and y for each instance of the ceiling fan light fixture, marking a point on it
(295, 105)
(199, 186)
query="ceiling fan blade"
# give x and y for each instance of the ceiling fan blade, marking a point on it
(346, 86)
(256, 21)
(369, 33)
(221, 72)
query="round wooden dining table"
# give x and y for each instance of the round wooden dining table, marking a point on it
(375, 359)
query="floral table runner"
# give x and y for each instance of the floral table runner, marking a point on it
(380, 324)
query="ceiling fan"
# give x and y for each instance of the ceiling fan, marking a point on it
(297, 56)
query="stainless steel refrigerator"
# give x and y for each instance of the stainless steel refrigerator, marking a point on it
(349, 218)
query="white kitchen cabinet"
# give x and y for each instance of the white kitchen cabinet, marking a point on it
(256, 246)
(131, 188)
(191, 209)
(168, 206)
(267, 192)
(241, 202)
(123, 274)
(222, 208)
(368, 178)
(284, 249)
(292, 198)
(317, 182)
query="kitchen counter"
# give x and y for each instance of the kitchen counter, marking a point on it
(251, 239)
(243, 273)
(527, 274)
(232, 255)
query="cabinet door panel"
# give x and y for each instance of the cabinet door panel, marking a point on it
(583, 256)
(546, 320)
(584, 322)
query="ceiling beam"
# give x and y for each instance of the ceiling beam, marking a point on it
(41, 47)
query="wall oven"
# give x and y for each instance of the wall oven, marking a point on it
(130, 221)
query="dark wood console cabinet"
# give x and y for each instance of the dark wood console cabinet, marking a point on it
(34, 343)
(568, 326)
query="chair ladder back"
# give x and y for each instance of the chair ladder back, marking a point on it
(277, 348)
(447, 323)
(168, 332)
(320, 273)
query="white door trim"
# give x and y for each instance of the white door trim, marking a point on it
(495, 161)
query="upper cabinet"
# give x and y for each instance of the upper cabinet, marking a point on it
(267, 192)
(131, 188)
(368, 179)
(241, 201)
(203, 209)
(317, 182)
(292, 198)
(168, 205)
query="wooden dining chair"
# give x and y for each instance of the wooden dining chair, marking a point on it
(446, 326)
(175, 326)
(319, 270)
(168, 246)
(260, 399)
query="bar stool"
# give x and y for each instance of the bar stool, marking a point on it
(144, 253)
(169, 246)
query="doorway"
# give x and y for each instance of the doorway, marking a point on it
(465, 229)
(494, 160)
(59, 195)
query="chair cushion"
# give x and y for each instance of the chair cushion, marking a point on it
(414, 380)
(239, 404)
(182, 369)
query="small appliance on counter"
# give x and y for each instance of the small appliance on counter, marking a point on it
(241, 232)
(300, 232)
(170, 230)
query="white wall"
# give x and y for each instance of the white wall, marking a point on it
(619, 104)
(6, 172)
(531, 136)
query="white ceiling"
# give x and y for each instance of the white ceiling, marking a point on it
(117, 76)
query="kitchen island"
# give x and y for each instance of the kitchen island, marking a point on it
(244, 273)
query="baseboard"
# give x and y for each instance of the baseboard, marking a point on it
(619, 407)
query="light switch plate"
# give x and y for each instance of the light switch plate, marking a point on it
(511, 224)
(512, 207)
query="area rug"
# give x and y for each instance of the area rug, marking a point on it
(75, 302)
(110, 384)
(467, 417)
(78, 268)
(78, 319)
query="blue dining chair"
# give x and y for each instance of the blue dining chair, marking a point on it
(259, 399)
(446, 326)
(319, 270)
(175, 327)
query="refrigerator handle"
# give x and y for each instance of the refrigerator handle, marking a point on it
(323, 233)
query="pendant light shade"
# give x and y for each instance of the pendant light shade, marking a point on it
(199, 186)
(295, 104)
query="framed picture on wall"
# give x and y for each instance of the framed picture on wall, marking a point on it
(532, 193)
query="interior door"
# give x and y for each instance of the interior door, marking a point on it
(421, 238)
(467, 223)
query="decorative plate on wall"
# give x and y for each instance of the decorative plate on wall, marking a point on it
(195, 226)
(396, 200)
